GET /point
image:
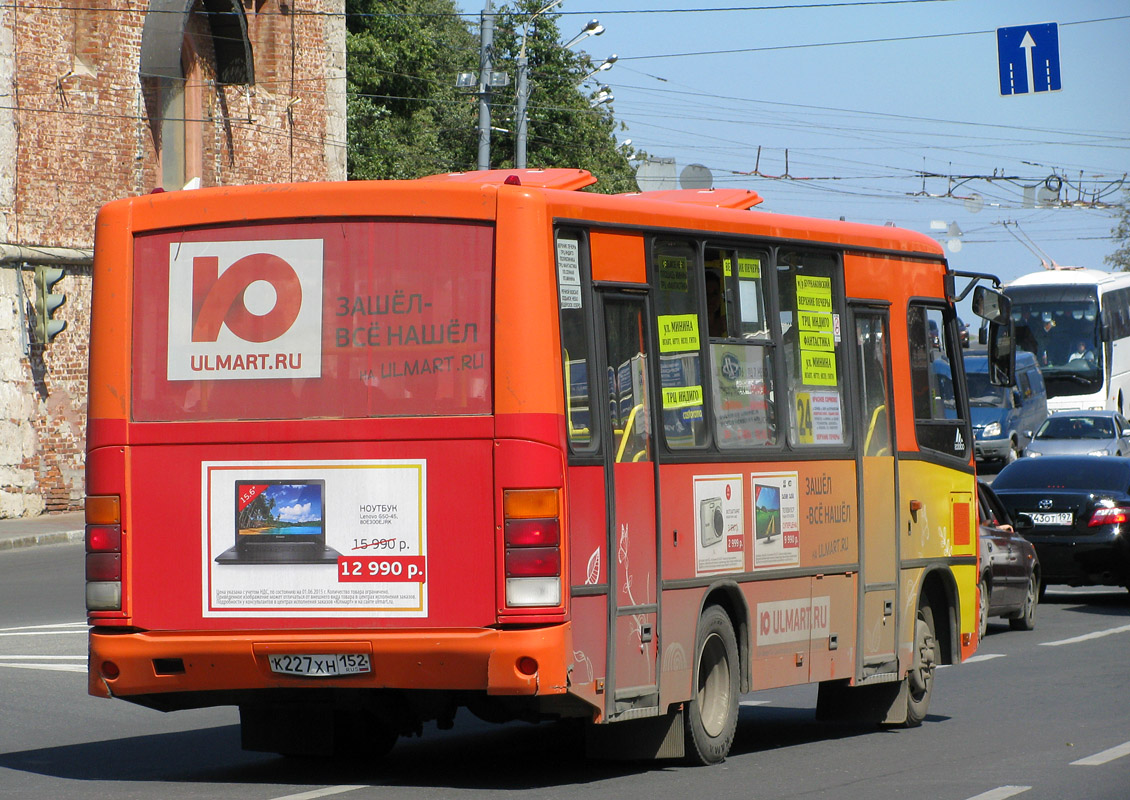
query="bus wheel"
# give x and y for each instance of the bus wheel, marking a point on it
(920, 679)
(712, 714)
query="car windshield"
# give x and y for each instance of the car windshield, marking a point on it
(1076, 428)
(982, 393)
(1088, 473)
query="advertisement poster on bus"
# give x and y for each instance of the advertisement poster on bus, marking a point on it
(719, 524)
(776, 519)
(314, 539)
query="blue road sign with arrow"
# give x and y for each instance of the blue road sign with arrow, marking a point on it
(1028, 56)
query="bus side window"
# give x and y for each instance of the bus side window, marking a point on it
(811, 296)
(571, 255)
(939, 424)
(741, 372)
(675, 270)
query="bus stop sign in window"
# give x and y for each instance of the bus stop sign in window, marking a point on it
(1028, 57)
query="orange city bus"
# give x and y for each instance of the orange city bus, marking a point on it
(361, 454)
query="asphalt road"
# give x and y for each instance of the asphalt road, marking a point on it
(1039, 714)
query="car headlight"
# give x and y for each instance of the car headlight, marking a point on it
(1098, 453)
(992, 429)
(1032, 453)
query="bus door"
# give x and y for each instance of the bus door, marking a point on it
(875, 461)
(631, 688)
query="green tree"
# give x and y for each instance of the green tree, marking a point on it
(405, 116)
(1120, 258)
(407, 119)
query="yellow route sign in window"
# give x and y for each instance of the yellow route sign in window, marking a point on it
(813, 294)
(818, 368)
(682, 396)
(672, 273)
(678, 333)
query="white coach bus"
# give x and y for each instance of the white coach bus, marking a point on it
(1077, 323)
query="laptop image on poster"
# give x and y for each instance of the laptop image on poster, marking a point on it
(279, 522)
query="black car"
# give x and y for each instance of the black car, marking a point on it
(1080, 510)
(1010, 570)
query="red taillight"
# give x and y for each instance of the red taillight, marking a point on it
(533, 562)
(1108, 516)
(103, 553)
(103, 566)
(103, 538)
(532, 531)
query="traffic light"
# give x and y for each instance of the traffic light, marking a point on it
(46, 302)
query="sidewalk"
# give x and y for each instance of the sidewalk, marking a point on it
(44, 529)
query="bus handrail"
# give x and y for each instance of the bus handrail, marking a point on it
(627, 432)
(871, 432)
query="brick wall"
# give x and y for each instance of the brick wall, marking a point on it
(78, 129)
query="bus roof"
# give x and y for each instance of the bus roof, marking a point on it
(1069, 276)
(469, 195)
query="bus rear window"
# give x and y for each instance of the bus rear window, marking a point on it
(344, 319)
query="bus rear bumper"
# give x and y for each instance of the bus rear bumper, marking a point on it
(519, 662)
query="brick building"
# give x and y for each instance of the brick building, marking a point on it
(101, 99)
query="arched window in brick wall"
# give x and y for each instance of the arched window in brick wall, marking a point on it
(181, 43)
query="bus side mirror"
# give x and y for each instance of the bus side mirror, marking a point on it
(995, 308)
(991, 305)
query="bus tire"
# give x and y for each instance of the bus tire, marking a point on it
(920, 679)
(712, 713)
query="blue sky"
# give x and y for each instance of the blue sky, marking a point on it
(865, 97)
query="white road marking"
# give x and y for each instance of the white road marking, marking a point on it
(41, 627)
(1000, 793)
(320, 793)
(1098, 759)
(45, 633)
(1087, 636)
(53, 658)
(48, 667)
(984, 657)
(754, 703)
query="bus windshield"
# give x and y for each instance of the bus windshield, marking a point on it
(1063, 334)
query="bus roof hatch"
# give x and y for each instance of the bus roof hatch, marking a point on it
(720, 198)
(567, 179)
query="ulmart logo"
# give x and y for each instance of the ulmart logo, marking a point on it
(245, 310)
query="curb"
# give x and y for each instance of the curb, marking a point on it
(33, 540)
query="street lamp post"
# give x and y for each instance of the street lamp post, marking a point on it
(604, 66)
(593, 28)
(486, 42)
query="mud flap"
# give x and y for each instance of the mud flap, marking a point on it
(637, 739)
(876, 704)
